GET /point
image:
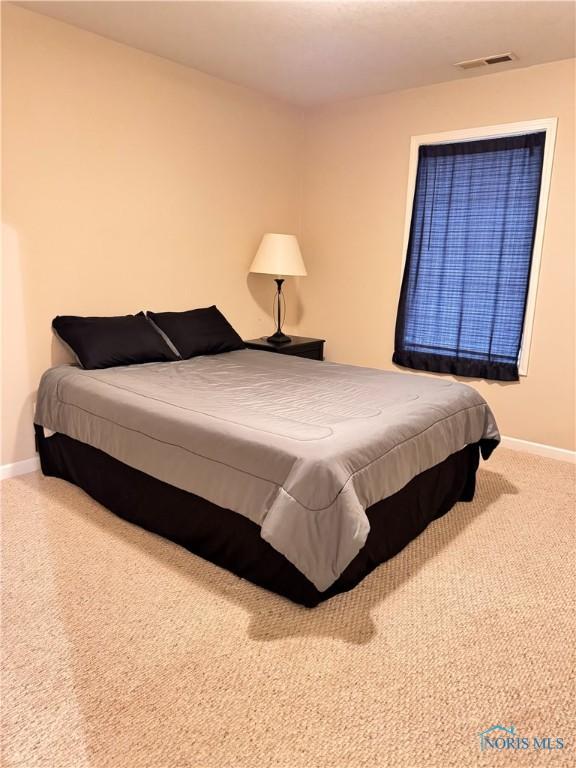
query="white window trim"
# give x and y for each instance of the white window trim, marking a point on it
(547, 124)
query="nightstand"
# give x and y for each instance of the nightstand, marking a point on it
(299, 346)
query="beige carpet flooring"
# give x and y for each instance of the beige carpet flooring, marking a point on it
(121, 650)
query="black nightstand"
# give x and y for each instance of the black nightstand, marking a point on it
(299, 346)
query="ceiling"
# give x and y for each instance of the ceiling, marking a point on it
(310, 53)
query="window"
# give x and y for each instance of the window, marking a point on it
(476, 227)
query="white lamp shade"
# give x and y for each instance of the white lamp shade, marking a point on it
(279, 255)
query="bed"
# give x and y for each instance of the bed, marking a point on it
(301, 476)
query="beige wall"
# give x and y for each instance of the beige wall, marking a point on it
(129, 183)
(356, 167)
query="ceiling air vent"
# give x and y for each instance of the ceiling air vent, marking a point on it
(498, 58)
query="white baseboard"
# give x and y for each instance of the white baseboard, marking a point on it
(539, 449)
(19, 468)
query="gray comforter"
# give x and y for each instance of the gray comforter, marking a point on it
(301, 448)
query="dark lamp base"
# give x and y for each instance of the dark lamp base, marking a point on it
(279, 338)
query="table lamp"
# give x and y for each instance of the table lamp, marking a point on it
(279, 255)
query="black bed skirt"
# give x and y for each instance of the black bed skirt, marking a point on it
(230, 540)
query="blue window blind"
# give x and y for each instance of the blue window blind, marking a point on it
(465, 284)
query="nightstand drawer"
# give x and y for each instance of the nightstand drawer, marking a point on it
(315, 352)
(300, 346)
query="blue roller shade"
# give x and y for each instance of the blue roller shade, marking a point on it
(465, 284)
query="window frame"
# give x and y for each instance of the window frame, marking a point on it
(547, 124)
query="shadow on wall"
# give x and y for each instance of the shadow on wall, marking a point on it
(346, 617)
(60, 354)
(17, 397)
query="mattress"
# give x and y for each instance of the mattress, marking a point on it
(300, 447)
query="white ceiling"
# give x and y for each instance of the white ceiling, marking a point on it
(315, 52)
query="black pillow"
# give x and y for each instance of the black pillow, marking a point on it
(198, 332)
(102, 342)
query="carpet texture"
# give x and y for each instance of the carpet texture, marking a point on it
(121, 650)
